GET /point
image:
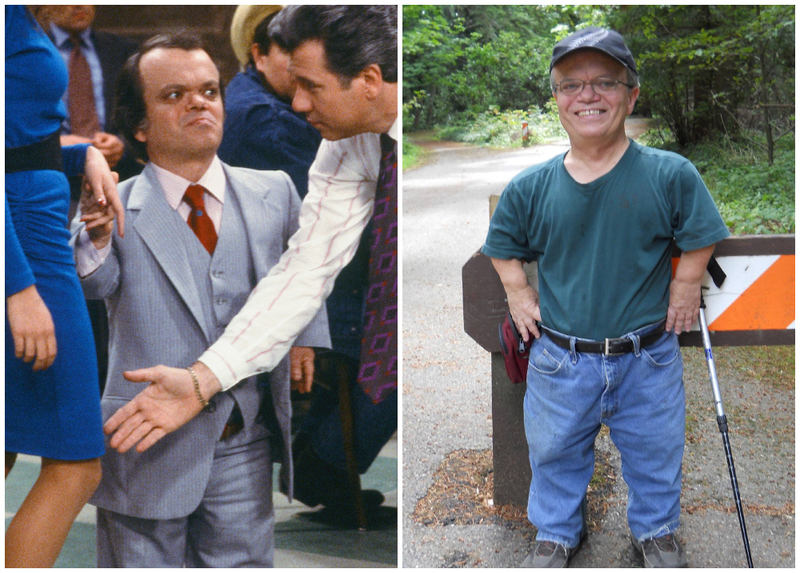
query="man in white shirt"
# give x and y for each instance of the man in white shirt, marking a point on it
(202, 497)
(351, 109)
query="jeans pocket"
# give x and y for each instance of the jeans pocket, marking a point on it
(544, 361)
(664, 352)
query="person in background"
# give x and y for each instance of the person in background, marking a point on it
(52, 402)
(94, 60)
(261, 129)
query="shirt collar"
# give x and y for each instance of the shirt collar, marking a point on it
(175, 186)
(394, 131)
(61, 36)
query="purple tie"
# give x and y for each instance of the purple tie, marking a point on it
(378, 370)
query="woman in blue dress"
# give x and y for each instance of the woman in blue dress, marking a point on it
(51, 386)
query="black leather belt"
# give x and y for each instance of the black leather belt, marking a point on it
(234, 425)
(44, 154)
(609, 346)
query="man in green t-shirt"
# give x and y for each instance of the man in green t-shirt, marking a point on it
(600, 221)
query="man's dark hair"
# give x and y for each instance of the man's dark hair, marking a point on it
(354, 37)
(130, 113)
(277, 29)
(262, 36)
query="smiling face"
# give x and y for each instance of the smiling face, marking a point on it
(337, 112)
(184, 108)
(589, 116)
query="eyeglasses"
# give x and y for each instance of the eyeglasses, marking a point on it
(599, 85)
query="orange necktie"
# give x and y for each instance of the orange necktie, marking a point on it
(199, 220)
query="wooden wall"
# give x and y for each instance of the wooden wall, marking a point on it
(139, 22)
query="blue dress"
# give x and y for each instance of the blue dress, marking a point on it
(54, 413)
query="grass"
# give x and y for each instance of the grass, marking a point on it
(412, 154)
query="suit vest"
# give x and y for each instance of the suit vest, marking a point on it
(224, 280)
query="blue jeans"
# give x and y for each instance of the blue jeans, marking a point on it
(640, 397)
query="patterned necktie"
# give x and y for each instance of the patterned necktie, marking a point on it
(80, 95)
(199, 220)
(378, 369)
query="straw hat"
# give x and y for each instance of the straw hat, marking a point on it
(243, 28)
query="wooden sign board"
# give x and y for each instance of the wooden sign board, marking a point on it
(754, 306)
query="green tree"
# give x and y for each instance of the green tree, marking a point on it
(706, 69)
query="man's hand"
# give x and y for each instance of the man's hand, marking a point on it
(684, 291)
(302, 366)
(684, 306)
(523, 301)
(102, 183)
(166, 404)
(524, 307)
(32, 328)
(110, 146)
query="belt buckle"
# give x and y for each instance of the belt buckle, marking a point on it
(607, 350)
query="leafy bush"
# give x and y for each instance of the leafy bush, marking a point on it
(504, 128)
(753, 197)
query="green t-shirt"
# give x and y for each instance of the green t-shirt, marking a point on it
(604, 248)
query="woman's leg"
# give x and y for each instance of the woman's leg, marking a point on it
(36, 534)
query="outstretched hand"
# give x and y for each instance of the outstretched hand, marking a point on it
(166, 404)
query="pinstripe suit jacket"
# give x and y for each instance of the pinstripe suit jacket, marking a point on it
(166, 304)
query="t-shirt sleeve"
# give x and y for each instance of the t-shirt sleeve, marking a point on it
(507, 237)
(696, 221)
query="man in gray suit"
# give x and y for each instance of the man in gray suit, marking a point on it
(203, 496)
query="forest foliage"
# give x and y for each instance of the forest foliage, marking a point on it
(719, 80)
(704, 70)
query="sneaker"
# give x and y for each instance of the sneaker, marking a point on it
(549, 554)
(664, 551)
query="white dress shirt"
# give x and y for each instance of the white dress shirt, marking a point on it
(88, 258)
(339, 204)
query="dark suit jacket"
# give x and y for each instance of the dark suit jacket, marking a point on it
(113, 52)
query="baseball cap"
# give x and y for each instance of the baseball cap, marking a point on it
(607, 41)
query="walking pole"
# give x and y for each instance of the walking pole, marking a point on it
(718, 276)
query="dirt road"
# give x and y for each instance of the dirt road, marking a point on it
(447, 403)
